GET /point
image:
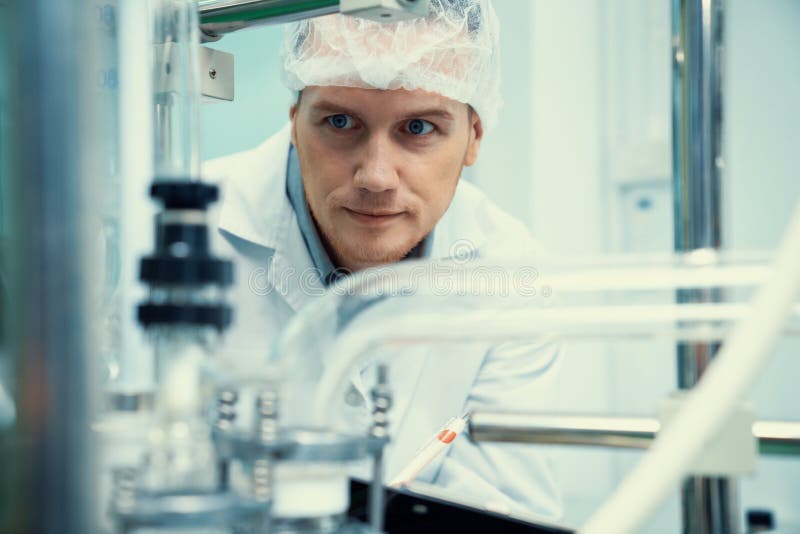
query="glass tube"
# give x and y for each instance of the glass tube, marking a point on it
(176, 84)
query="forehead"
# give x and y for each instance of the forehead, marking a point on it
(379, 101)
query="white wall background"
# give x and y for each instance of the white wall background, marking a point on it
(763, 138)
(261, 103)
(582, 155)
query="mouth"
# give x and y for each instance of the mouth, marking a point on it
(373, 218)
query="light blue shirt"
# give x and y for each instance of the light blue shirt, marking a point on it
(329, 273)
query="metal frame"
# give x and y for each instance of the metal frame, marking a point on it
(218, 17)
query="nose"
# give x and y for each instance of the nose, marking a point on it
(376, 171)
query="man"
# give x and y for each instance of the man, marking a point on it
(367, 174)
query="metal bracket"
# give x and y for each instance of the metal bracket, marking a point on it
(215, 67)
(216, 74)
(734, 449)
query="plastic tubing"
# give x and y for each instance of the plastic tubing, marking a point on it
(707, 407)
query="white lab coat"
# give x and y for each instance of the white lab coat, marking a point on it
(259, 231)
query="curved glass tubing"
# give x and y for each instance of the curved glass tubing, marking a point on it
(521, 299)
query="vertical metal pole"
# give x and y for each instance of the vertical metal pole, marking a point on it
(55, 171)
(382, 399)
(710, 505)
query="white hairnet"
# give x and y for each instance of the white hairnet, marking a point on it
(453, 52)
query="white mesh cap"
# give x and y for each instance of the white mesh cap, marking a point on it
(453, 52)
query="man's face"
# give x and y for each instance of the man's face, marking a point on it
(380, 167)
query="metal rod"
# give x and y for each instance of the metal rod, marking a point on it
(774, 437)
(218, 17)
(376, 494)
(709, 504)
(382, 401)
(626, 432)
(697, 123)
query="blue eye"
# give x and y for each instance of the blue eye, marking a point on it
(419, 127)
(341, 121)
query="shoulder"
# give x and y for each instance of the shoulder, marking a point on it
(235, 167)
(494, 230)
(253, 201)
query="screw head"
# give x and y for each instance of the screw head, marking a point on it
(212, 73)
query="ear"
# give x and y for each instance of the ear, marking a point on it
(292, 117)
(475, 138)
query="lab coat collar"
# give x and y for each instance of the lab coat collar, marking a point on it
(255, 207)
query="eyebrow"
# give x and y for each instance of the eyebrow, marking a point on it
(332, 107)
(430, 112)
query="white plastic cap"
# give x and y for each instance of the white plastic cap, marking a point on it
(453, 52)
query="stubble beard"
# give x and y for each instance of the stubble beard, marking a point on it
(354, 257)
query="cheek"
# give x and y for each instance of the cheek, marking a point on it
(322, 168)
(435, 183)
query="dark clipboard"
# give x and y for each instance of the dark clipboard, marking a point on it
(412, 513)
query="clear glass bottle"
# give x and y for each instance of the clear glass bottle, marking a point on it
(180, 455)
